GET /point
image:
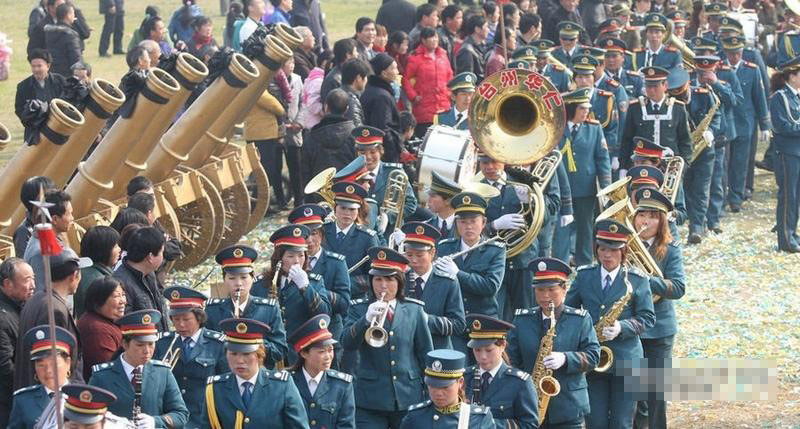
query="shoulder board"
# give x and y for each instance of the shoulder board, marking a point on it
(278, 375)
(27, 389)
(632, 102)
(442, 274)
(604, 93)
(365, 229)
(102, 366)
(214, 335)
(214, 301)
(526, 311)
(586, 267)
(264, 301)
(165, 335)
(392, 164)
(216, 378)
(700, 90)
(339, 375)
(592, 121)
(358, 301)
(749, 64)
(678, 102)
(612, 82)
(558, 67)
(670, 49)
(338, 256)
(315, 276)
(415, 301)
(675, 243)
(522, 375)
(157, 362)
(479, 409)
(722, 81)
(574, 311)
(725, 67)
(636, 271)
(420, 405)
(633, 73)
(638, 50)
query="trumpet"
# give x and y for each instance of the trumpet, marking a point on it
(376, 336)
(173, 354)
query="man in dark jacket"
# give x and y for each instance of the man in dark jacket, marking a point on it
(40, 85)
(36, 32)
(16, 286)
(304, 57)
(470, 57)
(343, 50)
(329, 144)
(593, 12)
(354, 78)
(137, 273)
(65, 272)
(113, 24)
(567, 10)
(397, 15)
(380, 107)
(62, 41)
(309, 14)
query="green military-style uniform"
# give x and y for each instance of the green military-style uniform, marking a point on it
(559, 75)
(567, 30)
(466, 82)
(666, 57)
(426, 415)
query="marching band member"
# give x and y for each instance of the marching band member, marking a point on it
(439, 291)
(348, 238)
(643, 176)
(389, 377)
(654, 52)
(327, 394)
(331, 266)
(86, 407)
(604, 105)
(508, 391)
(657, 115)
(648, 154)
(300, 294)
(574, 349)
(200, 351)
(599, 289)
(731, 27)
(146, 390)
(238, 276)
(356, 172)
(784, 107)
(629, 34)
(679, 21)
(462, 86)
(444, 378)
(568, 33)
(714, 12)
(558, 74)
(29, 402)
(614, 61)
(586, 159)
(479, 272)
(605, 83)
(650, 220)
(250, 395)
(440, 196)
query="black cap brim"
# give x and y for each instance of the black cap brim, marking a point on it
(382, 272)
(439, 383)
(241, 348)
(547, 283)
(480, 342)
(85, 419)
(238, 270)
(612, 244)
(416, 245)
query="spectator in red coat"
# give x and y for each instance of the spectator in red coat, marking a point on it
(425, 80)
(105, 303)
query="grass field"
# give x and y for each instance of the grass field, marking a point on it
(340, 18)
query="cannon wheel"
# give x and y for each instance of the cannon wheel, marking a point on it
(237, 205)
(258, 186)
(201, 224)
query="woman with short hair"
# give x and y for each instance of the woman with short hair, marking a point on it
(105, 303)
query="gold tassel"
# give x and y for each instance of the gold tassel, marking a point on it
(567, 150)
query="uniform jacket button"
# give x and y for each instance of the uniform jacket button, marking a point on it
(312, 405)
(247, 419)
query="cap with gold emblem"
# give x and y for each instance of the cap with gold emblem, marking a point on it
(611, 25)
(584, 64)
(444, 367)
(468, 204)
(313, 333)
(420, 235)
(654, 74)
(568, 30)
(348, 194)
(730, 24)
(706, 62)
(733, 43)
(352, 172)
(238, 258)
(612, 44)
(385, 262)
(580, 97)
(649, 199)
(621, 9)
(655, 21)
(443, 186)
(526, 52)
(645, 176)
(86, 404)
(703, 44)
(367, 137)
(485, 330)
(291, 236)
(715, 9)
(39, 343)
(678, 81)
(543, 46)
(310, 215)
(646, 148)
(183, 299)
(140, 325)
(790, 65)
(243, 335)
(519, 64)
(678, 18)
(611, 233)
(598, 53)
(549, 272)
(465, 81)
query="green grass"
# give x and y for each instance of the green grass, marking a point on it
(340, 17)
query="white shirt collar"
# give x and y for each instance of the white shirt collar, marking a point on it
(465, 246)
(195, 337)
(127, 367)
(426, 276)
(494, 370)
(600, 80)
(318, 255)
(308, 377)
(660, 102)
(464, 113)
(449, 220)
(604, 273)
(375, 170)
(345, 231)
(657, 51)
(570, 124)
(241, 306)
(240, 381)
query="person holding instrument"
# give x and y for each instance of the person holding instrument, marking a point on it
(574, 349)
(147, 392)
(195, 353)
(391, 335)
(618, 298)
(238, 276)
(651, 220)
(480, 271)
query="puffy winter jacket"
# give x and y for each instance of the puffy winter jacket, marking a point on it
(426, 76)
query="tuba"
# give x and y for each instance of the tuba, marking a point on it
(673, 173)
(546, 385)
(518, 117)
(670, 39)
(614, 193)
(321, 185)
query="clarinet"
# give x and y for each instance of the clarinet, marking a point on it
(137, 396)
(476, 386)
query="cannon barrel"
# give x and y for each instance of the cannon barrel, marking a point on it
(95, 174)
(276, 52)
(178, 141)
(63, 119)
(189, 71)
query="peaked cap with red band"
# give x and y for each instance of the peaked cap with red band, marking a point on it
(549, 272)
(238, 258)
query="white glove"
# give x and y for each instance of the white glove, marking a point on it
(566, 220)
(375, 309)
(623, 172)
(612, 331)
(383, 222)
(397, 237)
(509, 221)
(143, 421)
(708, 136)
(298, 276)
(614, 163)
(763, 135)
(522, 193)
(447, 265)
(554, 360)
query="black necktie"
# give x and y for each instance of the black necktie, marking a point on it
(340, 236)
(458, 117)
(655, 107)
(545, 323)
(247, 394)
(418, 287)
(574, 132)
(486, 378)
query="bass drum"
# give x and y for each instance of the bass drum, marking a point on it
(449, 152)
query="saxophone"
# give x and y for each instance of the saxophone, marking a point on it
(699, 143)
(546, 384)
(273, 287)
(607, 320)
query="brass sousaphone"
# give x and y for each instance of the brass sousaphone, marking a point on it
(517, 117)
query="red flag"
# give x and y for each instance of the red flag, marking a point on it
(47, 239)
